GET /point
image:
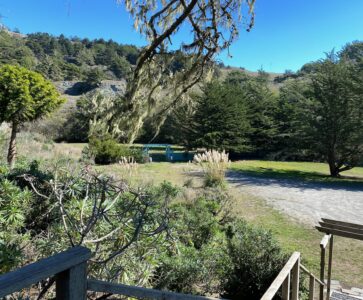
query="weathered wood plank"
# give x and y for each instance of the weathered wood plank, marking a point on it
(71, 284)
(311, 275)
(330, 264)
(286, 288)
(322, 265)
(325, 240)
(44, 268)
(295, 283)
(346, 224)
(311, 287)
(340, 233)
(276, 284)
(138, 292)
(341, 227)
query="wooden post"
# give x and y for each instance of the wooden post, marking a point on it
(324, 242)
(286, 288)
(322, 271)
(71, 284)
(295, 272)
(330, 263)
(311, 287)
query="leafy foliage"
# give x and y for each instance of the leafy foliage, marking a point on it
(138, 236)
(219, 255)
(24, 96)
(107, 150)
(255, 260)
(13, 204)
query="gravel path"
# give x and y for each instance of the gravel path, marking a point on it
(306, 201)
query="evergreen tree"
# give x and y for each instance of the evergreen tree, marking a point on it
(24, 96)
(221, 118)
(332, 119)
(260, 102)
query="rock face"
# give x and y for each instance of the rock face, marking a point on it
(77, 88)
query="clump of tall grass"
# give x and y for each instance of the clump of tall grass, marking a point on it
(214, 165)
(129, 167)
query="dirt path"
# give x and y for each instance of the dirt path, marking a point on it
(306, 201)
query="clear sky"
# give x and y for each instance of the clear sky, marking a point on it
(287, 33)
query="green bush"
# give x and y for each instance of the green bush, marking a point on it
(14, 204)
(255, 259)
(107, 151)
(214, 254)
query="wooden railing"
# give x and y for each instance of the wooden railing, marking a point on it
(288, 281)
(312, 280)
(327, 239)
(70, 271)
(139, 292)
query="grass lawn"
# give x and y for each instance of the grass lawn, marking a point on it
(297, 170)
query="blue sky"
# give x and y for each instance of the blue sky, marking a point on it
(287, 33)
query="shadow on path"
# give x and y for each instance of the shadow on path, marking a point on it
(242, 178)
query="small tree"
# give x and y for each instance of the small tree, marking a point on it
(24, 96)
(333, 115)
(94, 78)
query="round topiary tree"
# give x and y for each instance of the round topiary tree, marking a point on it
(24, 96)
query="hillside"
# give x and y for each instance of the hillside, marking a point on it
(77, 66)
(67, 61)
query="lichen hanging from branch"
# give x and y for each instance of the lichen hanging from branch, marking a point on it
(214, 26)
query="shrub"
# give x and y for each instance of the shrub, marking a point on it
(193, 271)
(137, 235)
(14, 204)
(107, 151)
(214, 166)
(255, 260)
(214, 255)
(193, 264)
(195, 222)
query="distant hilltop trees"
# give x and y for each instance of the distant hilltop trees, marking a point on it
(71, 59)
(61, 58)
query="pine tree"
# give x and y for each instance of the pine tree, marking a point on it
(333, 117)
(221, 118)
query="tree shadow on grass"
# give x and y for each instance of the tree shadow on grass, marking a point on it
(293, 178)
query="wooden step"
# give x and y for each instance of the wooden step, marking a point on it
(341, 296)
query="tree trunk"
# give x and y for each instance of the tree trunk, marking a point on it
(12, 145)
(334, 170)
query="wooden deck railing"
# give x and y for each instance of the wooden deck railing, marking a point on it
(288, 281)
(69, 268)
(70, 271)
(312, 280)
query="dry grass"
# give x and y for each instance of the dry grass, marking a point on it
(214, 165)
